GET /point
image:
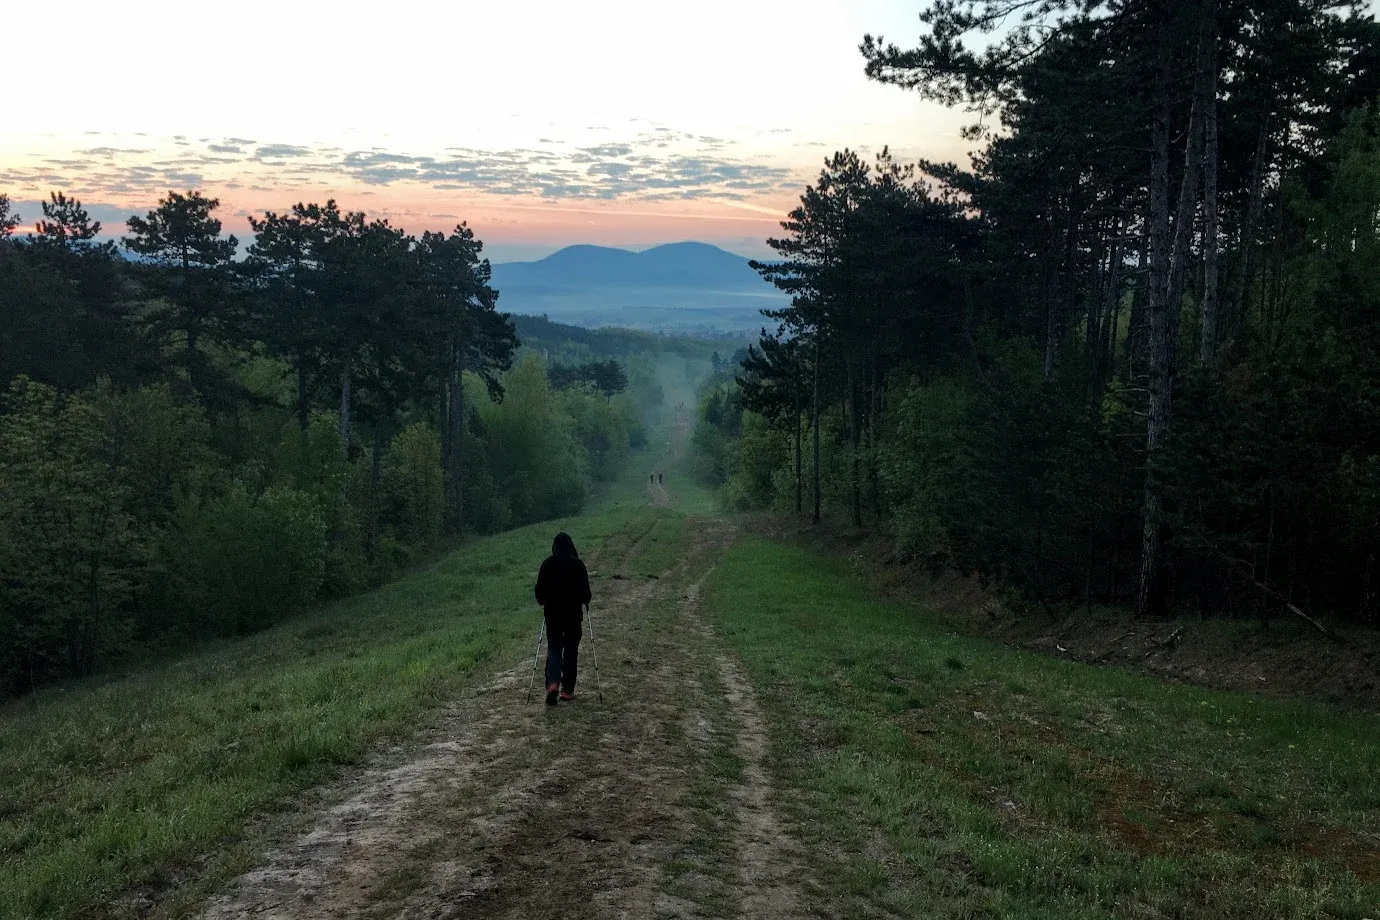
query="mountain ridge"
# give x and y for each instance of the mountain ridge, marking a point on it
(683, 263)
(673, 285)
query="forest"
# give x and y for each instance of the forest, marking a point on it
(197, 441)
(1131, 355)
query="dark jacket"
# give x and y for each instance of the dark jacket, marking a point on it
(563, 582)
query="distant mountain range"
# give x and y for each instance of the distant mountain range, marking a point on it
(679, 286)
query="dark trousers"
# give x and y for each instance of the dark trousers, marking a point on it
(563, 648)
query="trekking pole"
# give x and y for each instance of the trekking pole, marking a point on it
(535, 656)
(594, 652)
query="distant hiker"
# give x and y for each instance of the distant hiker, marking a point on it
(660, 479)
(652, 479)
(562, 589)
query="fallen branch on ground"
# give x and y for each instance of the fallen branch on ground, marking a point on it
(1169, 639)
(1248, 572)
(1299, 613)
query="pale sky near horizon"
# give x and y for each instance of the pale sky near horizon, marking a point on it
(540, 123)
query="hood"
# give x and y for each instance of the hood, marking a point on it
(563, 546)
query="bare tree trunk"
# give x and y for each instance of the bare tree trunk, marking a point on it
(345, 408)
(874, 423)
(815, 428)
(854, 439)
(968, 324)
(1207, 352)
(799, 459)
(1048, 278)
(1161, 341)
(1249, 223)
(1113, 304)
(456, 470)
(1092, 317)
(1051, 330)
(1092, 557)
(375, 481)
(447, 453)
(1062, 288)
(1188, 190)
(303, 403)
(443, 425)
(1137, 330)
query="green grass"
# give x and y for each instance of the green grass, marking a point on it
(928, 774)
(702, 870)
(689, 495)
(950, 777)
(149, 781)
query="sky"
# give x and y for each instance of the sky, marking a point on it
(541, 123)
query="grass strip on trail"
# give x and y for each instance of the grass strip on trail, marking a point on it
(937, 776)
(147, 782)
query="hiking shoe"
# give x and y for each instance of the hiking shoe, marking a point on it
(567, 696)
(551, 692)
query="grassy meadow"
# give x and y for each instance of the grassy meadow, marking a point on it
(926, 774)
(939, 776)
(148, 781)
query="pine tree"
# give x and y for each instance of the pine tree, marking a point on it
(467, 334)
(8, 218)
(65, 227)
(188, 268)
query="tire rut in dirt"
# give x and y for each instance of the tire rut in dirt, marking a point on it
(769, 859)
(592, 842)
(510, 810)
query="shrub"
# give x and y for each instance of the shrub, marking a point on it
(922, 464)
(761, 452)
(413, 485)
(242, 561)
(532, 454)
(69, 554)
(600, 429)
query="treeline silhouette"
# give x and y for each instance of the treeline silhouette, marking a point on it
(193, 444)
(1132, 355)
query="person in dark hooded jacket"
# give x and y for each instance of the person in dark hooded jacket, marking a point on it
(562, 590)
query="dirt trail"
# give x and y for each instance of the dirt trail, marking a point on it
(507, 809)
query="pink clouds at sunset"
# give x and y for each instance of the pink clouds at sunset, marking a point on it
(539, 124)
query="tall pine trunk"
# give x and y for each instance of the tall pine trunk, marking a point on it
(968, 324)
(1051, 327)
(1248, 228)
(854, 440)
(874, 423)
(375, 487)
(455, 470)
(345, 408)
(443, 429)
(1062, 287)
(1161, 344)
(1189, 189)
(1111, 325)
(1207, 352)
(303, 403)
(799, 459)
(1138, 325)
(1094, 307)
(815, 429)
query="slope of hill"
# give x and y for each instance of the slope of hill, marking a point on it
(816, 751)
(675, 287)
(544, 334)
